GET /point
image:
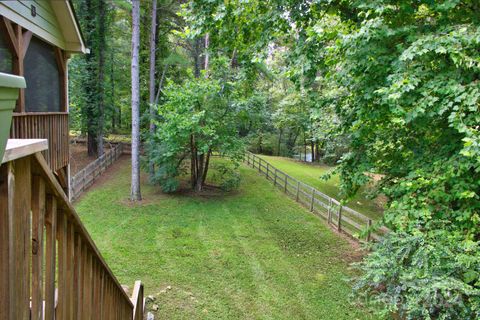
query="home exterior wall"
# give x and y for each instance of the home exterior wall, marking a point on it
(53, 22)
(44, 24)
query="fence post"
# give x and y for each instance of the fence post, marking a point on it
(369, 225)
(339, 224)
(275, 180)
(268, 164)
(313, 199)
(84, 179)
(298, 190)
(260, 165)
(286, 178)
(329, 211)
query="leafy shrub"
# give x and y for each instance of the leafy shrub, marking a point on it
(167, 169)
(420, 276)
(226, 175)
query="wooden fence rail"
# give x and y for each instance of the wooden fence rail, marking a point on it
(87, 176)
(342, 218)
(50, 268)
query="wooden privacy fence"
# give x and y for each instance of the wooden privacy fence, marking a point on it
(342, 218)
(50, 268)
(87, 176)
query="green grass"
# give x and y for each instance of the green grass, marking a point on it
(252, 254)
(311, 173)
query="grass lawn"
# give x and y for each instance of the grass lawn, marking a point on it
(311, 173)
(253, 254)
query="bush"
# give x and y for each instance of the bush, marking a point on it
(422, 277)
(226, 175)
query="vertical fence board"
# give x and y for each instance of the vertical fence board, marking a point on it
(339, 222)
(38, 222)
(78, 279)
(70, 292)
(7, 191)
(312, 200)
(61, 310)
(22, 236)
(51, 226)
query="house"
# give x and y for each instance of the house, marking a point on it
(50, 268)
(36, 39)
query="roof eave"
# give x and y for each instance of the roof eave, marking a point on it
(65, 13)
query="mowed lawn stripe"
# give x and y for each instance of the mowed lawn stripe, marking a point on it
(251, 254)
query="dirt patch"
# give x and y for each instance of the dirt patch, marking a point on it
(79, 158)
(356, 254)
(208, 192)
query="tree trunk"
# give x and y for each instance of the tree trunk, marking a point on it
(279, 142)
(200, 171)
(153, 30)
(193, 160)
(196, 56)
(205, 170)
(206, 54)
(312, 146)
(304, 148)
(112, 91)
(135, 191)
(101, 76)
(89, 85)
(91, 143)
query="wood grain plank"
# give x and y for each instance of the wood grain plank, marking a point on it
(70, 290)
(38, 223)
(50, 263)
(61, 310)
(7, 191)
(22, 238)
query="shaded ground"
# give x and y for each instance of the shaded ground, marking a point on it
(253, 254)
(79, 158)
(311, 173)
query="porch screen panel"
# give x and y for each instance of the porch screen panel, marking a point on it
(43, 78)
(5, 56)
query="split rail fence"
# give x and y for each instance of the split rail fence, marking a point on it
(87, 176)
(342, 218)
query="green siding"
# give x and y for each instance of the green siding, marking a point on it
(44, 10)
(45, 18)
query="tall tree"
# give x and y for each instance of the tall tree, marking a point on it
(135, 186)
(101, 44)
(89, 70)
(152, 101)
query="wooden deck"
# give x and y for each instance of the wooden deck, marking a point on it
(50, 268)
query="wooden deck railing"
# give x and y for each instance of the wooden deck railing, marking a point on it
(51, 126)
(341, 217)
(50, 268)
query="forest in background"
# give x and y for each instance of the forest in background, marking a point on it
(380, 87)
(277, 117)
